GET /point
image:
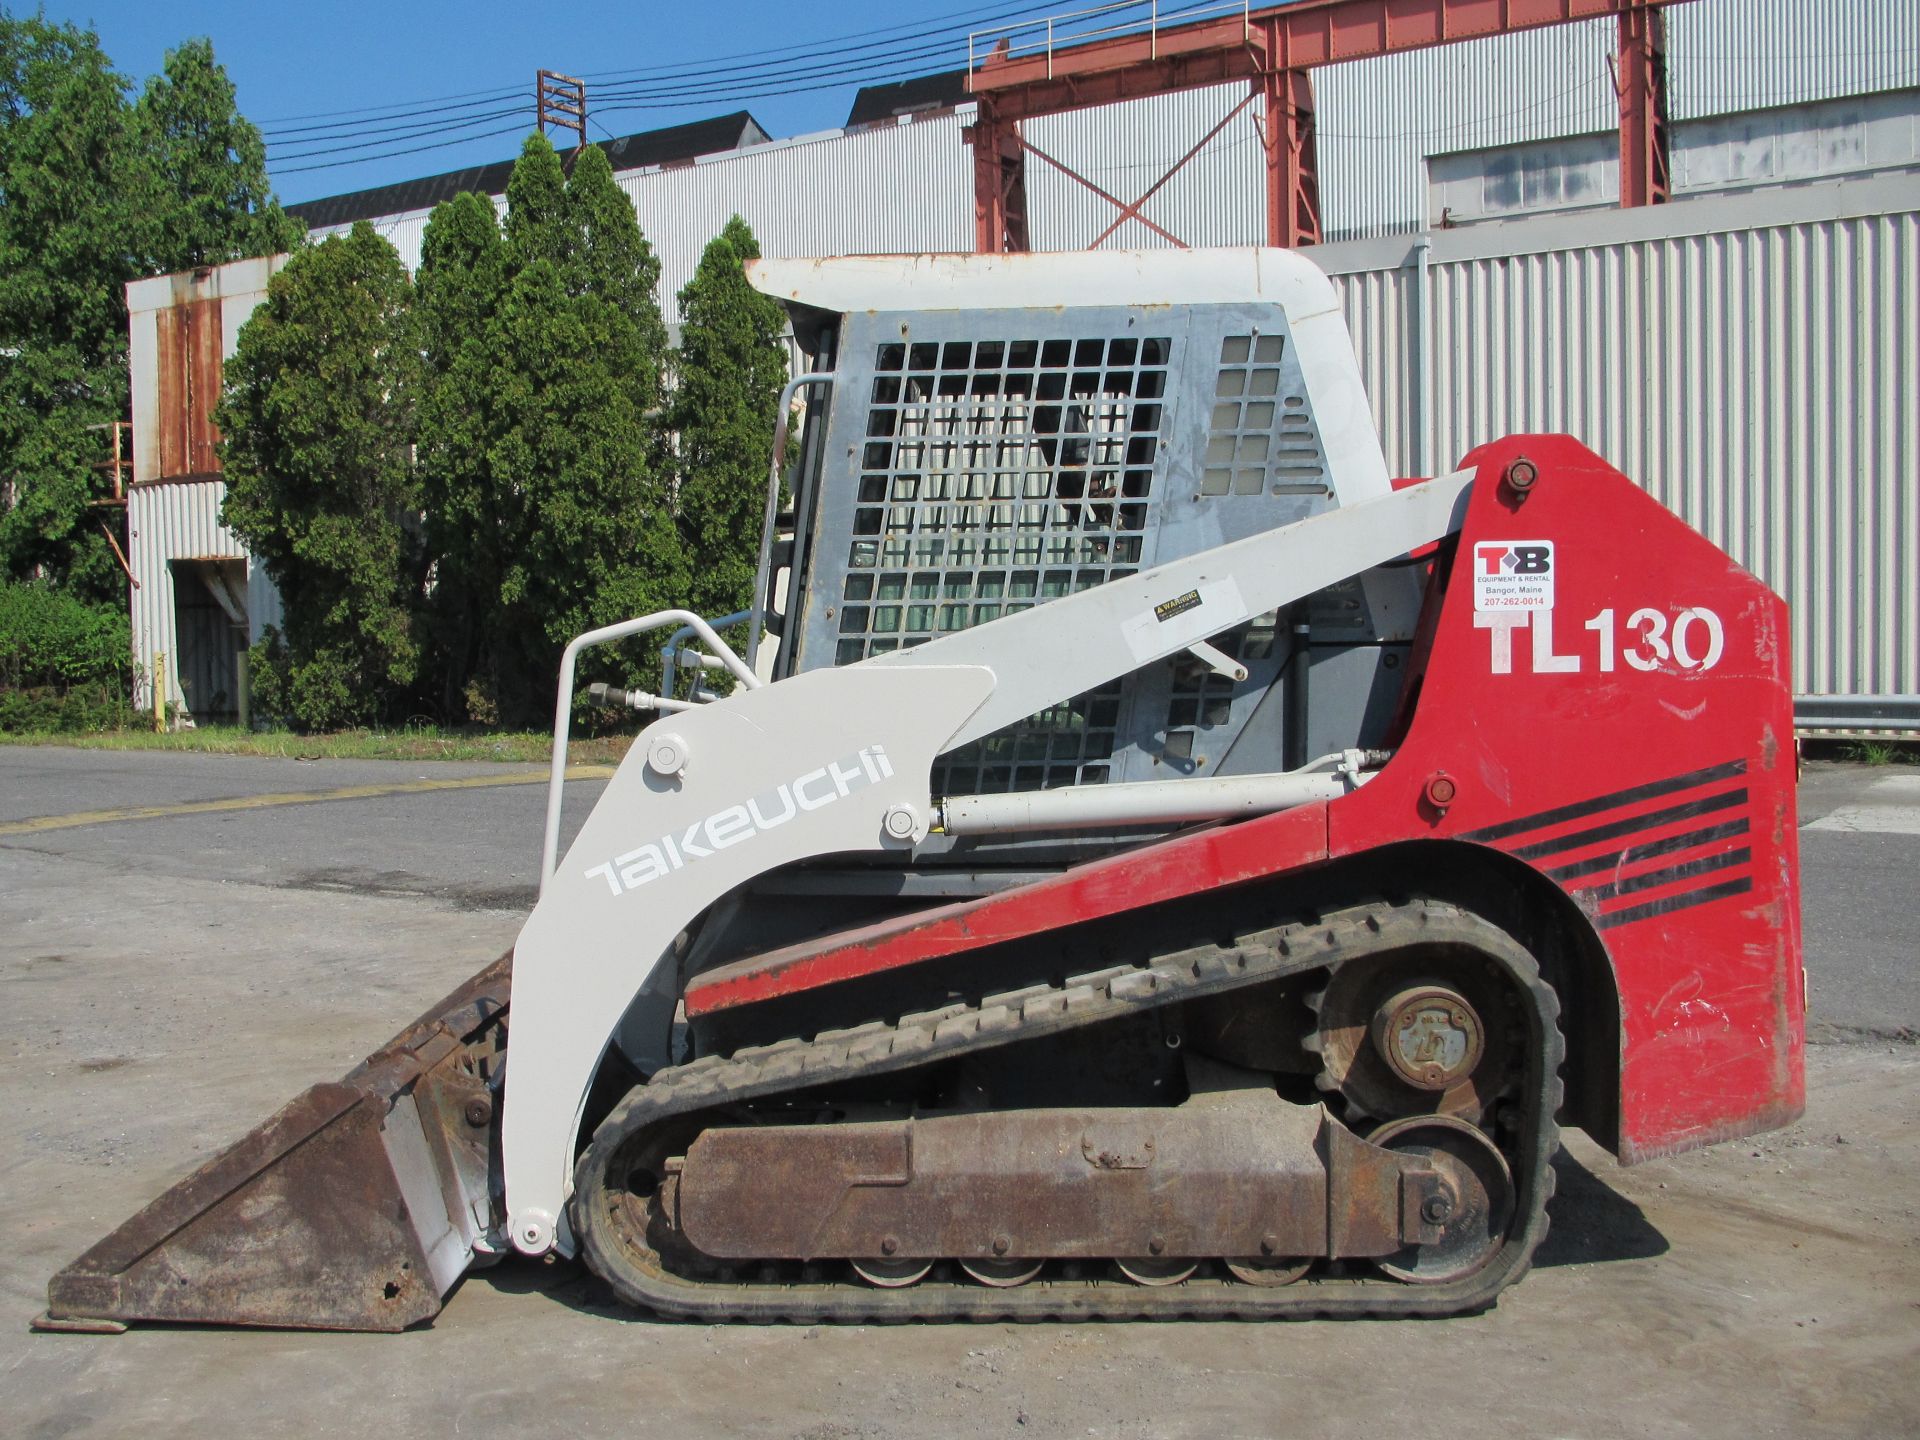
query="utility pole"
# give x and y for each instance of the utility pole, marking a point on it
(561, 101)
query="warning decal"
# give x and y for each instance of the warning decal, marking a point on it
(1179, 605)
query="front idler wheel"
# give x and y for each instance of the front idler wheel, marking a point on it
(1472, 1208)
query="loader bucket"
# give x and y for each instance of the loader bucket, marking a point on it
(356, 1207)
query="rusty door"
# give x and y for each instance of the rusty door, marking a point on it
(189, 336)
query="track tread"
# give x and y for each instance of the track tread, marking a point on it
(1032, 1012)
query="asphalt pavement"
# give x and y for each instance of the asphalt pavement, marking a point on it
(474, 840)
(463, 832)
(1859, 869)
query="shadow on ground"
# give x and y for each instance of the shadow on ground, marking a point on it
(1592, 1222)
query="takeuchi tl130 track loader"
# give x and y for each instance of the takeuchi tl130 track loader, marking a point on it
(1146, 863)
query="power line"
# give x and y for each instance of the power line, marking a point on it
(834, 76)
(751, 86)
(266, 125)
(493, 97)
(406, 133)
(764, 77)
(416, 150)
(771, 63)
(815, 66)
(707, 102)
(837, 66)
(767, 61)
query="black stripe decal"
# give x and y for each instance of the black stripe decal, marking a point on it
(1667, 904)
(1614, 829)
(1649, 851)
(1581, 809)
(1687, 870)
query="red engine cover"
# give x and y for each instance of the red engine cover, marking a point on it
(1608, 699)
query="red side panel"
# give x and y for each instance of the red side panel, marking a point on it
(1605, 697)
(1608, 696)
(1186, 865)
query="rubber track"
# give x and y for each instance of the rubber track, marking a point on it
(1032, 1013)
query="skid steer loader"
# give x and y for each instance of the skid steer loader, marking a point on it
(1146, 863)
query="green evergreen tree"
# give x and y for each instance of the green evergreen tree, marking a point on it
(208, 199)
(538, 225)
(318, 427)
(66, 252)
(730, 369)
(612, 260)
(584, 527)
(540, 454)
(462, 276)
(96, 191)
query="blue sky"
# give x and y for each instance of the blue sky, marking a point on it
(291, 61)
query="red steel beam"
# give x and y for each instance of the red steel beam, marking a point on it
(1206, 52)
(1274, 49)
(999, 186)
(1642, 84)
(1292, 169)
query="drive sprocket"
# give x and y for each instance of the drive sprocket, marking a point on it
(1420, 1032)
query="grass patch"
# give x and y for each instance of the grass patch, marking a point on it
(1864, 752)
(413, 743)
(1882, 752)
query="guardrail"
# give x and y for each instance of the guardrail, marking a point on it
(1856, 714)
(1100, 22)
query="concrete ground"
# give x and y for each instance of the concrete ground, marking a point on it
(168, 981)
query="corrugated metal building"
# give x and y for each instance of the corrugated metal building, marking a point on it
(1710, 347)
(1752, 360)
(905, 182)
(198, 599)
(1381, 123)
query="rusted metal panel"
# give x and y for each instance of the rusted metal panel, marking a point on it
(189, 336)
(1240, 1174)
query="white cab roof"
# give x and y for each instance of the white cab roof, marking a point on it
(848, 284)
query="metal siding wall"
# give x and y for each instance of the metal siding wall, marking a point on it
(169, 522)
(1727, 55)
(403, 232)
(890, 189)
(1379, 119)
(1217, 199)
(1380, 306)
(1760, 382)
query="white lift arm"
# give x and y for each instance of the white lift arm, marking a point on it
(837, 761)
